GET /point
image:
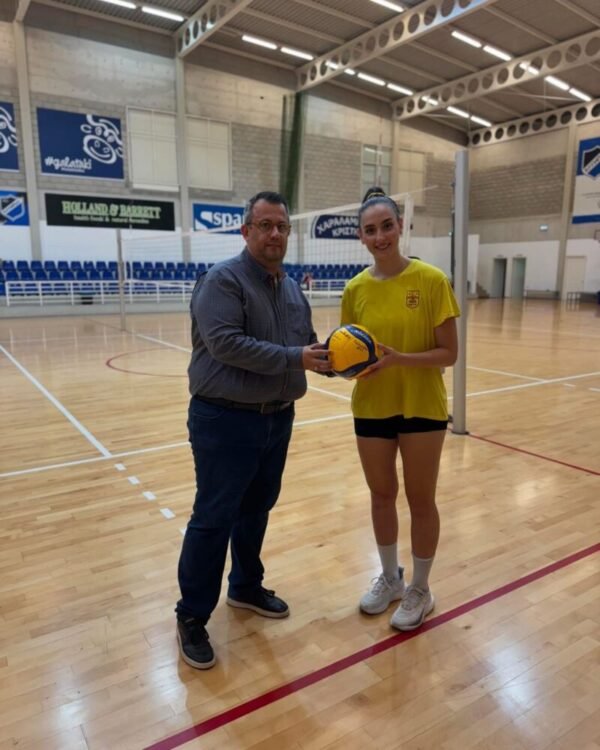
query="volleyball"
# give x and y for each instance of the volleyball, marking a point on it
(351, 350)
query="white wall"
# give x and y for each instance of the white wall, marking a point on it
(15, 243)
(541, 263)
(591, 250)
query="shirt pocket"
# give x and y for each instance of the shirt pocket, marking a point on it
(298, 324)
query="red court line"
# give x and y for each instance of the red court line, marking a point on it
(272, 696)
(109, 363)
(536, 455)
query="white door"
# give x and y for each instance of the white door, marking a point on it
(574, 278)
(517, 285)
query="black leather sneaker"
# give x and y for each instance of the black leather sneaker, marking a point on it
(262, 601)
(194, 645)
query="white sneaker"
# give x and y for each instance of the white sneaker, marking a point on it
(415, 607)
(383, 592)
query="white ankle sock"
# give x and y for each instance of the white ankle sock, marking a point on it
(388, 554)
(421, 570)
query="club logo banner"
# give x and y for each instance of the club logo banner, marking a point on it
(116, 213)
(335, 227)
(586, 205)
(80, 145)
(13, 209)
(210, 216)
(9, 156)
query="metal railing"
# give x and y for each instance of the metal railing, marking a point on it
(85, 292)
(97, 292)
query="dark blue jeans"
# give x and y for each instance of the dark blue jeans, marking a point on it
(239, 458)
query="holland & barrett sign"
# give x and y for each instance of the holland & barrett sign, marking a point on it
(116, 213)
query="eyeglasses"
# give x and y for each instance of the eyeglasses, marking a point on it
(266, 226)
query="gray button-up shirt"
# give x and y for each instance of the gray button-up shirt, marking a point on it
(248, 331)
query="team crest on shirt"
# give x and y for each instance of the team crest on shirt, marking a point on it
(413, 297)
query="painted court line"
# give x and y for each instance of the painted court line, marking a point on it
(502, 372)
(55, 402)
(535, 455)
(532, 385)
(272, 696)
(141, 451)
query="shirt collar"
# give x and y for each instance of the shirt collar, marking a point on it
(259, 270)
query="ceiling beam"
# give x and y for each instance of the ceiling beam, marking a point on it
(104, 17)
(529, 29)
(315, 33)
(542, 122)
(402, 29)
(579, 11)
(22, 9)
(521, 25)
(313, 5)
(552, 60)
(210, 18)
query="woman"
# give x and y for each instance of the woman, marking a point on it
(400, 402)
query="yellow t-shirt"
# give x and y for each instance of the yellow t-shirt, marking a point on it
(401, 312)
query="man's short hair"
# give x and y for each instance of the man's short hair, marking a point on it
(266, 195)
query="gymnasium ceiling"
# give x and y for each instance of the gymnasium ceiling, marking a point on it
(516, 59)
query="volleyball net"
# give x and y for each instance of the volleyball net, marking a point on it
(323, 250)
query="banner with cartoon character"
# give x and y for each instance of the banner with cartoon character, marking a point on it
(80, 145)
(9, 156)
(13, 209)
(586, 206)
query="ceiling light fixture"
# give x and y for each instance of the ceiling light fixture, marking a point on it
(529, 68)
(389, 5)
(497, 52)
(481, 121)
(466, 39)
(350, 72)
(400, 89)
(297, 53)
(371, 79)
(430, 100)
(558, 83)
(121, 4)
(162, 13)
(260, 42)
(580, 95)
(459, 112)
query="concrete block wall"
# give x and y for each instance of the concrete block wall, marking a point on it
(515, 190)
(439, 173)
(332, 172)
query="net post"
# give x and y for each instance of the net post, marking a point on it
(461, 245)
(121, 277)
(409, 209)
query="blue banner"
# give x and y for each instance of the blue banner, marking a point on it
(210, 216)
(586, 204)
(9, 157)
(335, 227)
(13, 209)
(76, 145)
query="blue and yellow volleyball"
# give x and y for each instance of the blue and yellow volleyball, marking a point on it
(351, 350)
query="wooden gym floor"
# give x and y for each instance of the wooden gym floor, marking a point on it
(96, 485)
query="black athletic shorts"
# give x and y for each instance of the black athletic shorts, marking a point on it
(391, 427)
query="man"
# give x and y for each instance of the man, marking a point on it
(252, 339)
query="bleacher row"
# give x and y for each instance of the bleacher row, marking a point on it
(90, 271)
